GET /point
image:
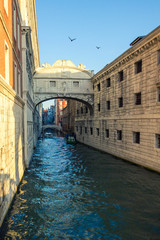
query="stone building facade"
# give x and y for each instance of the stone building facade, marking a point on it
(16, 100)
(68, 116)
(126, 120)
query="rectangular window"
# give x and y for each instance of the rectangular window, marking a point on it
(108, 82)
(119, 134)
(81, 130)
(157, 140)
(6, 62)
(108, 105)
(85, 129)
(75, 84)
(136, 137)
(14, 21)
(137, 98)
(77, 111)
(120, 76)
(86, 109)
(158, 57)
(158, 94)
(138, 67)
(107, 133)
(6, 6)
(91, 131)
(99, 107)
(19, 83)
(15, 78)
(98, 87)
(52, 83)
(97, 130)
(120, 102)
(18, 34)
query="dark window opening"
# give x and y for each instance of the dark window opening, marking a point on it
(157, 139)
(97, 129)
(77, 111)
(138, 98)
(136, 137)
(158, 57)
(91, 131)
(120, 76)
(99, 107)
(98, 87)
(120, 102)
(107, 133)
(81, 130)
(158, 94)
(138, 67)
(119, 134)
(85, 129)
(108, 82)
(108, 105)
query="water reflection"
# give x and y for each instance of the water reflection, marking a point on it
(75, 192)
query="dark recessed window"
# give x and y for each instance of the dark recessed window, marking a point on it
(81, 109)
(108, 105)
(158, 57)
(157, 140)
(138, 67)
(99, 107)
(98, 87)
(85, 129)
(119, 134)
(86, 109)
(107, 133)
(97, 130)
(91, 131)
(158, 94)
(136, 137)
(77, 111)
(138, 98)
(120, 102)
(80, 129)
(108, 82)
(120, 76)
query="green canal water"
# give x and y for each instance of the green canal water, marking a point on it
(76, 192)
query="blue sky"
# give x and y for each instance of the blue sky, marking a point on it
(110, 24)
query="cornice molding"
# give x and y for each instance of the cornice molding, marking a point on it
(147, 42)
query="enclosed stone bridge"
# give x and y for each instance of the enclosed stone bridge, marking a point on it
(54, 127)
(63, 80)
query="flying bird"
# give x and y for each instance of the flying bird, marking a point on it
(72, 39)
(97, 47)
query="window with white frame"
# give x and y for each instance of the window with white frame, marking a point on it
(14, 21)
(6, 6)
(15, 76)
(6, 62)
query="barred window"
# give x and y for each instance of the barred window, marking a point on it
(119, 134)
(120, 102)
(98, 87)
(97, 129)
(138, 67)
(75, 84)
(108, 105)
(138, 98)
(136, 137)
(157, 140)
(107, 133)
(108, 82)
(120, 76)
(99, 107)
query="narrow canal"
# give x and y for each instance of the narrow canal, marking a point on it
(75, 192)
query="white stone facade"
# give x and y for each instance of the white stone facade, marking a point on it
(126, 121)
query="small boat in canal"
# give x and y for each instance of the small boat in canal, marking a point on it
(70, 139)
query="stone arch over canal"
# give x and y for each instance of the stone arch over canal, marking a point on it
(63, 80)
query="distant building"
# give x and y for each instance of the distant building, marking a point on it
(60, 105)
(48, 115)
(68, 117)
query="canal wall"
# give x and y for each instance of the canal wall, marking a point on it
(126, 121)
